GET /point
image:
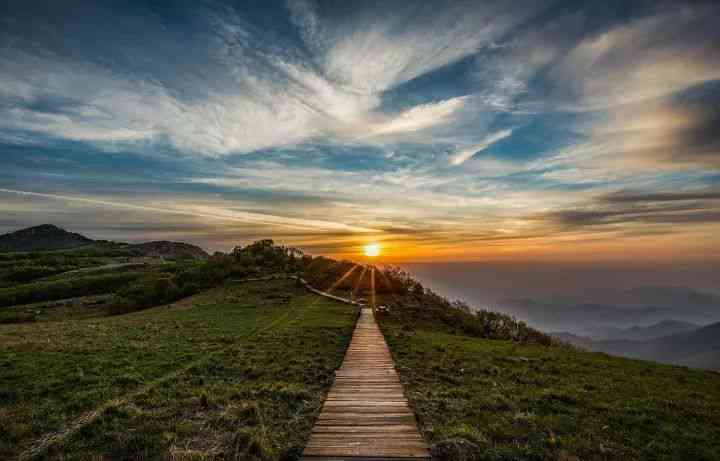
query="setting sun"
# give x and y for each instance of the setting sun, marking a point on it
(372, 249)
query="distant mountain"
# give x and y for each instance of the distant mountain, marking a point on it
(173, 250)
(639, 333)
(657, 330)
(581, 318)
(698, 348)
(43, 237)
(551, 317)
(670, 296)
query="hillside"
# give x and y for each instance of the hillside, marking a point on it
(498, 400)
(204, 377)
(43, 237)
(183, 360)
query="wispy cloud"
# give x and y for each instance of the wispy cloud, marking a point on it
(464, 154)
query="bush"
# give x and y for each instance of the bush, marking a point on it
(61, 289)
(150, 291)
(24, 274)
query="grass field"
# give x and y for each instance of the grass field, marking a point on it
(497, 400)
(238, 372)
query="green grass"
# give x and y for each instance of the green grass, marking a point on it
(82, 307)
(490, 399)
(238, 372)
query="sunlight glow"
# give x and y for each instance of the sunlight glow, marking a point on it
(372, 249)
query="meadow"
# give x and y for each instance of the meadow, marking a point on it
(238, 372)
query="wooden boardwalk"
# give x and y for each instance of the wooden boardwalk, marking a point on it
(366, 415)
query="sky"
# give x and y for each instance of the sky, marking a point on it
(446, 131)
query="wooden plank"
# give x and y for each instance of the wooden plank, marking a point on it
(366, 414)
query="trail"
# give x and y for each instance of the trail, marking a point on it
(366, 415)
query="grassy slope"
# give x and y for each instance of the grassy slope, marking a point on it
(531, 402)
(235, 373)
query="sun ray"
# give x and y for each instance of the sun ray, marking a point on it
(372, 288)
(359, 281)
(389, 286)
(340, 280)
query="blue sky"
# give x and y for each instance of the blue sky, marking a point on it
(450, 130)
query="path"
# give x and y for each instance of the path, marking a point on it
(366, 415)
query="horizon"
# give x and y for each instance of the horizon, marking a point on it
(559, 132)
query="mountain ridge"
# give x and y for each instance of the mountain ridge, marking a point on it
(42, 237)
(698, 348)
(48, 237)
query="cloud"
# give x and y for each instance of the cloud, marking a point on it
(464, 154)
(205, 211)
(383, 44)
(628, 196)
(418, 118)
(646, 59)
(257, 94)
(650, 86)
(626, 208)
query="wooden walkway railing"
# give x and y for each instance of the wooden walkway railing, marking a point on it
(366, 415)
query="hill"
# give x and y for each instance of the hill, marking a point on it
(48, 237)
(43, 237)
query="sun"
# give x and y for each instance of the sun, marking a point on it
(371, 249)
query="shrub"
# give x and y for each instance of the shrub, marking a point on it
(150, 291)
(61, 289)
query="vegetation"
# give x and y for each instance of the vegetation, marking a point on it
(210, 377)
(65, 309)
(60, 289)
(489, 399)
(195, 364)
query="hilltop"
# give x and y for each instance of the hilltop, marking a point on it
(43, 237)
(49, 237)
(210, 359)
